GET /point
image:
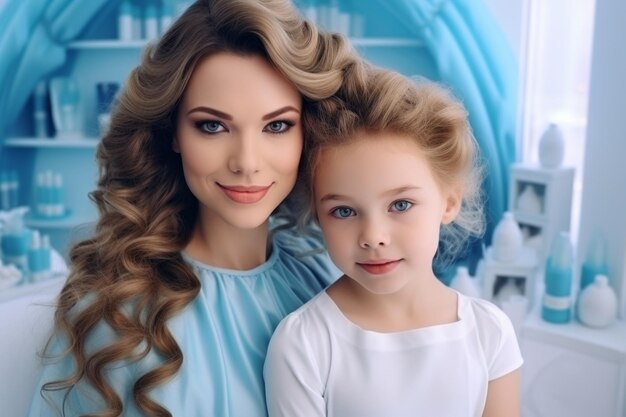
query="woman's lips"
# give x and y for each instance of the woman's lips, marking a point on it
(245, 194)
(379, 267)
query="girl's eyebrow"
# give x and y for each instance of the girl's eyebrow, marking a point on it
(402, 189)
(226, 116)
(329, 197)
(391, 192)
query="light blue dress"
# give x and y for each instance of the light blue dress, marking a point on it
(223, 334)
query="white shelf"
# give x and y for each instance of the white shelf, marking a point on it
(107, 44)
(56, 223)
(608, 342)
(86, 142)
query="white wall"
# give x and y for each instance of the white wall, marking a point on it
(604, 181)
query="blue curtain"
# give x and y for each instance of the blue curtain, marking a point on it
(474, 59)
(33, 39)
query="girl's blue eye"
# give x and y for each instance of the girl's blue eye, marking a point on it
(342, 212)
(401, 205)
(278, 126)
(210, 126)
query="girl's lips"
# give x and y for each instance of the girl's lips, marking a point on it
(379, 267)
(245, 194)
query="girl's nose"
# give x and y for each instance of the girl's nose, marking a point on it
(373, 235)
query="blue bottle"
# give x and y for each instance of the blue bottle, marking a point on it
(595, 262)
(557, 300)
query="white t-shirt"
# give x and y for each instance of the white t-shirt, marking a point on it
(319, 363)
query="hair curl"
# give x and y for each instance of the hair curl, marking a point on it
(146, 210)
(386, 101)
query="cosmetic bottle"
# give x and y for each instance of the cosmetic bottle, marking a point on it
(167, 16)
(14, 189)
(557, 302)
(137, 14)
(38, 257)
(595, 261)
(125, 21)
(5, 191)
(551, 147)
(151, 22)
(57, 198)
(597, 303)
(464, 283)
(40, 110)
(507, 239)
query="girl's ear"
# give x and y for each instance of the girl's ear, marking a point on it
(452, 204)
(175, 146)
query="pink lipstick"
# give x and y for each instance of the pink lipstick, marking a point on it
(244, 194)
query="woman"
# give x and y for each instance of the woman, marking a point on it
(170, 305)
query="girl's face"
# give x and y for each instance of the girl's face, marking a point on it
(380, 209)
(239, 136)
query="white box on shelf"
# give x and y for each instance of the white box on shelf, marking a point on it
(523, 272)
(541, 202)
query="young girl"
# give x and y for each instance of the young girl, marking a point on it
(170, 305)
(394, 185)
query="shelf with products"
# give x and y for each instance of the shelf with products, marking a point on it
(32, 142)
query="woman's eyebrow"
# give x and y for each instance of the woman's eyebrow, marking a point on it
(209, 110)
(280, 111)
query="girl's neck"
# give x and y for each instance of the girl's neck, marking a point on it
(427, 302)
(222, 245)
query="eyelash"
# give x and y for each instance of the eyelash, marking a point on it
(335, 211)
(200, 125)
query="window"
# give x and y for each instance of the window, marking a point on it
(555, 78)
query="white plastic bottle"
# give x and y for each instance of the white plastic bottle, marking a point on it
(597, 303)
(125, 21)
(551, 147)
(151, 23)
(40, 110)
(464, 283)
(507, 239)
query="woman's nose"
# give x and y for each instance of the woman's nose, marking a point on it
(245, 155)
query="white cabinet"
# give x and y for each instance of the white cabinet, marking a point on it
(571, 370)
(550, 213)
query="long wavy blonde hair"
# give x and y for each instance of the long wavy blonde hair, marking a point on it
(146, 210)
(386, 101)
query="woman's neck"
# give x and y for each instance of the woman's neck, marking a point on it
(222, 245)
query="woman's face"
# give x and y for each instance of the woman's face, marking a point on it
(239, 135)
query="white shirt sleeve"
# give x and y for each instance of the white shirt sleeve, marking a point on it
(507, 356)
(293, 384)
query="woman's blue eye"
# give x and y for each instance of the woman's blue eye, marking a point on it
(401, 205)
(279, 126)
(210, 126)
(342, 212)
